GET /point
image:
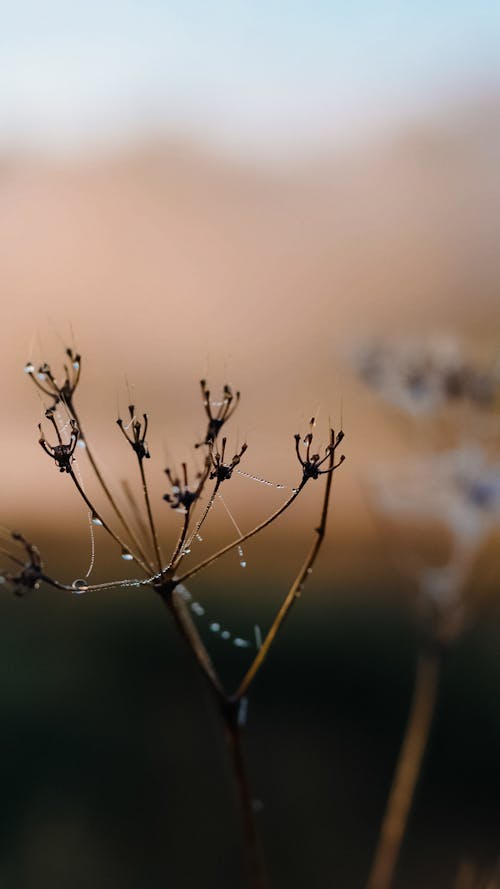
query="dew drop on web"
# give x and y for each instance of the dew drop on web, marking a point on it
(29, 368)
(225, 634)
(241, 555)
(96, 520)
(215, 627)
(197, 608)
(128, 557)
(80, 587)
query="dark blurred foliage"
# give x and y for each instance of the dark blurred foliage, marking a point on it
(114, 770)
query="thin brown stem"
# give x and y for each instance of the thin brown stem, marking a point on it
(175, 561)
(180, 542)
(293, 593)
(256, 868)
(106, 490)
(407, 771)
(182, 618)
(149, 511)
(240, 540)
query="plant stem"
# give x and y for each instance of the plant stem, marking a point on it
(256, 868)
(104, 486)
(149, 511)
(407, 771)
(294, 591)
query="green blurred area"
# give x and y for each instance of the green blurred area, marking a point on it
(113, 765)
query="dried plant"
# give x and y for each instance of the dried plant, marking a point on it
(451, 402)
(167, 577)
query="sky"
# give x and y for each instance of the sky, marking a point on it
(248, 75)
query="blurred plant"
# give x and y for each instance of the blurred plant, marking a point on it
(452, 399)
(167, 577)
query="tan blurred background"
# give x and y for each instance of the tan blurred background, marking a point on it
(166, 250)
(242, 192)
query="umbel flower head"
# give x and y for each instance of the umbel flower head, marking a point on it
(420, 376)
(226, 407)
(61, 453)
(45, 381)
(30, 571)
(137, 439)
(460, 489)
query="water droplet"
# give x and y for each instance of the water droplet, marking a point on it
(225, 634)
(81, 444)
(41, 376)
(215, 627)
(258, 636)
(280, 486)
(76, 365)
(29, 368)
(80, 587)
(126, 555)
(2, 578)
(309, 571)
(175, 489)
(295, 490)
(184, 592)
(243, 712)
(241, 643)
(197, 608)
(96, 520)
(243, 564)
(186, 551)
(199, 537)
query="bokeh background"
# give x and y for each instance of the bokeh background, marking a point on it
(242, 192)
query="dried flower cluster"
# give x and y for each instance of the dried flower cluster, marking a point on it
(193, 500)
(458, 484)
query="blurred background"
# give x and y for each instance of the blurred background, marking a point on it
(246, 193)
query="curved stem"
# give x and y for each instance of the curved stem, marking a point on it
(104, 486)
(293, 593)
(407, 771)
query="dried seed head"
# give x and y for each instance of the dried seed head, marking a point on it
(46, 382)
(137, 439)
(220, 470)
(312, 463)
(182, 495)
(30, 574)
(226, 407)
(61, 453)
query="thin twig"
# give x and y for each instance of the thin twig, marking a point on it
(256, 867)
(149, 511)
(407, 771)
(294, 591)
(105, 488)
